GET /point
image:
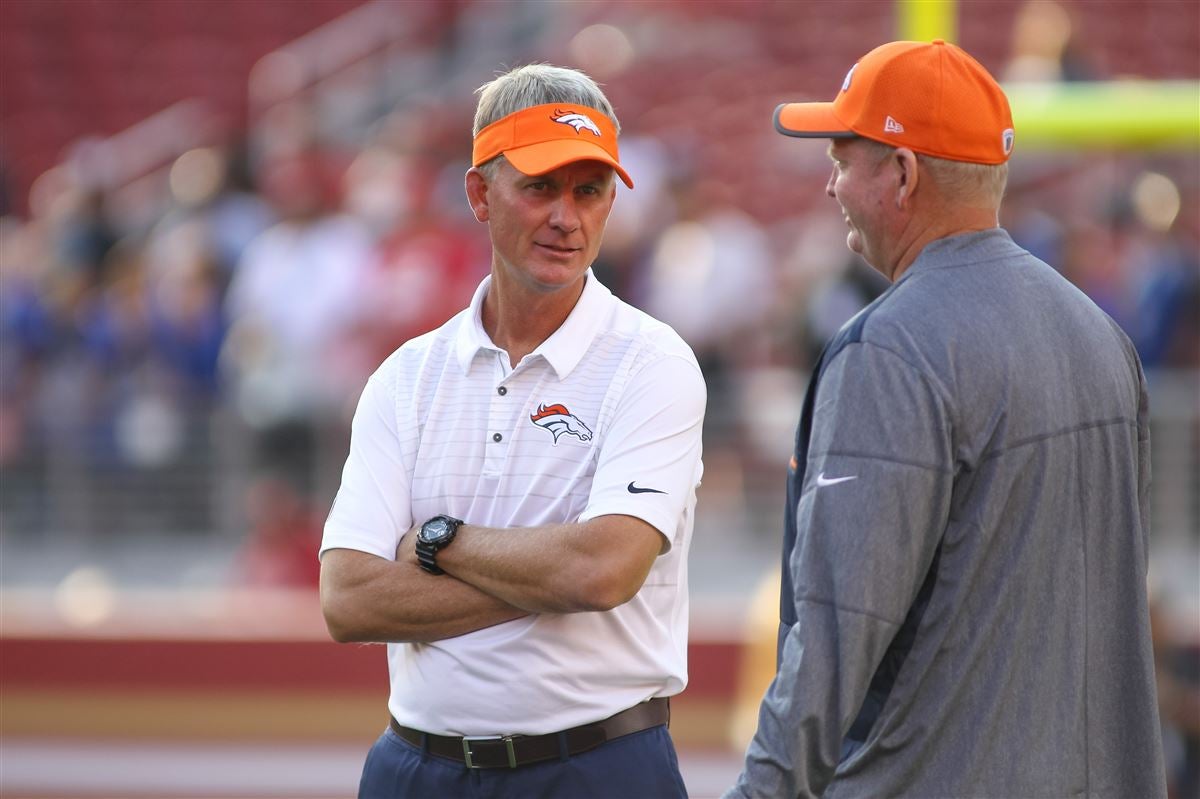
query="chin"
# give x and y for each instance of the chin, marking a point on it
(557, 276)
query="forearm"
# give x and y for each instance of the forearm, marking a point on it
(370, 599)
(561, 568)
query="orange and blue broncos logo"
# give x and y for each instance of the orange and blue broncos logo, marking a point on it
(559, 421)
(580, 122)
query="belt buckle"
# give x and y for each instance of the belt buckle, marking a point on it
(508, 746)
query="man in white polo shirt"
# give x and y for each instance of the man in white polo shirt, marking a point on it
(516, 509)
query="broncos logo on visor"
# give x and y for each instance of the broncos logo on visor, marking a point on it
(559, 421)
(580, 122)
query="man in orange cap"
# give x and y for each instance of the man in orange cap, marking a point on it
(964, 608)
(516, 508)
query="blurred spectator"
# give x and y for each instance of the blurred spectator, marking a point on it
(236, 213)
(296, 296)
(217, 212)
(1161, 273)
(710, 278)
(1032, 226)
(383, 185)
(425, 264)
(1045, 47)
(284, 534)
(187, 326)
(836, 300)
(637, 220)
(191, 255)
(421, 275)
(86, 234)
(297, 291)
(27, 331)
(113, 319)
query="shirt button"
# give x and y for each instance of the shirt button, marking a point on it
(502, 391)
(497, 437)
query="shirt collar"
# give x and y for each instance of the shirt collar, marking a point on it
(962, 249)
(471, 337)
(562, 350)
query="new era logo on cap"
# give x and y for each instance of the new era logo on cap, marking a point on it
(892, 126)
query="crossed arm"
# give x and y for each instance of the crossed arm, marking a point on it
(492, 576)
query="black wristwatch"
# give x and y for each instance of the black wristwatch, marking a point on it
(435, 534)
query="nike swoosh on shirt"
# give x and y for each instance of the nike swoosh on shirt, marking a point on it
(822, 480)
(635, 490)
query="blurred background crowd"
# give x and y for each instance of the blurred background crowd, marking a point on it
(217, 218)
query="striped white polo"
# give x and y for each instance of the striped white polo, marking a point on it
(603, 418)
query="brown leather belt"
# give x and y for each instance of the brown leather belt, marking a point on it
(511, 751)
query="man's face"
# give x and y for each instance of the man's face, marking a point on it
(863, 188)
(546, 229)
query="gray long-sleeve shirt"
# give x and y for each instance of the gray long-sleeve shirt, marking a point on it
(964, 611)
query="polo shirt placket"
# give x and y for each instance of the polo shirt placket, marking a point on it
(502, 419)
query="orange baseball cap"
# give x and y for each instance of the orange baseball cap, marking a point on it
(931, 98)
(542, 138)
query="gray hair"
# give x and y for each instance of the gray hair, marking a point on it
(535, 84)
(959, 179)
(963, 179)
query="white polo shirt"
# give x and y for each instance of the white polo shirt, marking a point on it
(603, 418)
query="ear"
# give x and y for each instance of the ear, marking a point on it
(476, 185)
(905, 161)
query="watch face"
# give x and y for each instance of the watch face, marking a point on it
(435, 530)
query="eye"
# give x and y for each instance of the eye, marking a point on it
(537, 185)
(589, 189)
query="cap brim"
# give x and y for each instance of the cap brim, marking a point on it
(810, 121)
(543, 157)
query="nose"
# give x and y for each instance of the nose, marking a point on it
(564, 215)
(832, 180)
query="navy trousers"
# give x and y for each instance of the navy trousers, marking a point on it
(641, 765)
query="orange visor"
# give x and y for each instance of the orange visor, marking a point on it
(541, 138)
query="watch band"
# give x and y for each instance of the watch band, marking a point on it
(427, 550)
(427, 558)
